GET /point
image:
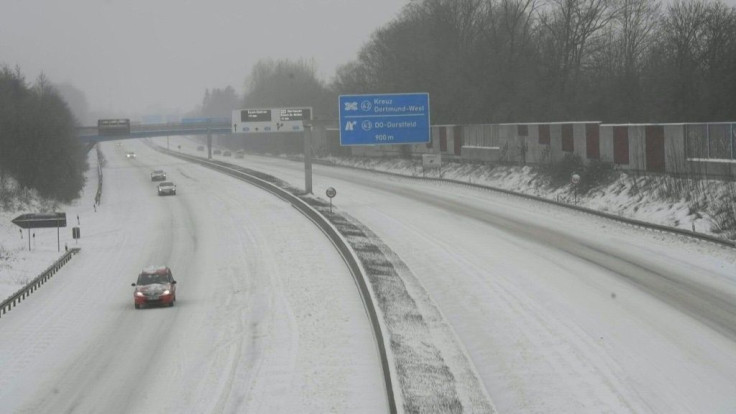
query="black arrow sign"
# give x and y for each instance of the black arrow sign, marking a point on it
(37, 221)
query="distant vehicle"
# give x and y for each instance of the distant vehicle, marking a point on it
(200, 148)
(167, 188)
(227, 154)
(130, 154)
(217, 152)
(240, 154)
(155, 286)
(158, 175)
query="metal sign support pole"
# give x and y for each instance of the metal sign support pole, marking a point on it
(308, 159)
(29, 239)
(58, 242)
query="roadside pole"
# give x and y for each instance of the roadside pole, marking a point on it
(307, 158)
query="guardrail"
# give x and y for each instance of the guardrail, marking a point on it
(634, 222)
(36, 283)
(347, 253)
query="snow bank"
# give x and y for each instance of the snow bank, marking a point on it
(704, 206)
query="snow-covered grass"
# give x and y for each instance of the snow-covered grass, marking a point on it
(18, 264)
(701, 205)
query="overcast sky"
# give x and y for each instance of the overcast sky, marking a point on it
(136, 57)
(152, 56)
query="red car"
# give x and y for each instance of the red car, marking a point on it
(155, 286)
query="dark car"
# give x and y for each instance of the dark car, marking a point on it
(240, 154)
(155, 286)
(227, 153)
(217, 152)
(158, 175)
(200, 148)
(167, 188)
(130, 154)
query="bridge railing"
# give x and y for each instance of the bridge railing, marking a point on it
(92, 134)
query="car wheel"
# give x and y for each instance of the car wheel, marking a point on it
(137, 306)
(171, 303)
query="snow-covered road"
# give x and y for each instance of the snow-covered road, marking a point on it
(559, 311)
(267, 319)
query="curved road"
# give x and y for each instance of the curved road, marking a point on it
(559, 311)
(267, 317)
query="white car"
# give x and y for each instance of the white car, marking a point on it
(167, 188)
(158, 175)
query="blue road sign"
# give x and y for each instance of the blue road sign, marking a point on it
(401, 118)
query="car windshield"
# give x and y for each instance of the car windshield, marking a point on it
(381, 206)
(152, 278)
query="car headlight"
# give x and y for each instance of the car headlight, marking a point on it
(166, 292)
(140, 294)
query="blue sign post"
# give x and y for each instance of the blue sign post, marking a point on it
(401, 118)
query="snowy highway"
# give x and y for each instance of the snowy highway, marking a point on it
(558, 311)
(267, 318)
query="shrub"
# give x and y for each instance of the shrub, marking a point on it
(596, 173)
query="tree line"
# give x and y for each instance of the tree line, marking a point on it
(490, 61)
(529, 60)
(39, 148)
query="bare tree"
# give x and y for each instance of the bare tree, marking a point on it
(571, 28)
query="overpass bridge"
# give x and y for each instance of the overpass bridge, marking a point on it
(95, 134)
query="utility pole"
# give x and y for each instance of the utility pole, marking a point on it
(307, 158)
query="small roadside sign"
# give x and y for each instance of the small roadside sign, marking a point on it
(331, 192)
